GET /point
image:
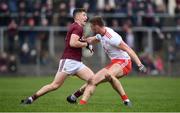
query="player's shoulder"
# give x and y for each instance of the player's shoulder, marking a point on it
(76, 25)
(113, 33)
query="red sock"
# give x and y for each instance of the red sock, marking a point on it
(82, 102)
(124, 97)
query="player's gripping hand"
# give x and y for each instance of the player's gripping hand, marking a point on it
(90, 47)
(82, 40)
(142, 68)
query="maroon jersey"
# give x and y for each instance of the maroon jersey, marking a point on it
(71, 52)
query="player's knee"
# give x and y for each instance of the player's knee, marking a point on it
(108, 77)
(54, 86)
(91, 81)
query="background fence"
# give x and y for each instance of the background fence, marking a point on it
(151, 44)
(32, 33)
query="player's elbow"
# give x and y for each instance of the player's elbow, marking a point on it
(92, 82)
(73, 44)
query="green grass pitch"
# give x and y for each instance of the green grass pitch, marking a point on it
(148, 94)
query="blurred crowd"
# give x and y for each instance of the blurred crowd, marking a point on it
(28, 45)
(44, 10)
(8, 63)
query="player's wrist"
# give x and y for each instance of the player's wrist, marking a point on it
(87, 45)
(142, 68)
(139, 65)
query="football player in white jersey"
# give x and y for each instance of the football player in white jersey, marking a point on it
(119, 53)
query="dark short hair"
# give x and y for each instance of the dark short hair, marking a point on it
(97, 20)
(78, 10)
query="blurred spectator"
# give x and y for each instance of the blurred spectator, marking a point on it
(89, 5)
(32, 35)
(140, 11)
(4, 9)
(24, 53)
(46, 10)
(158, 40)
(139, 41)
(12, 64)
(7, 63)
(43, 43)
(29, 6)
(160, 6)
(28, 43)
(22, 7)
(108, 9)
(12, 33)
(13, 6)
(177, 36)
(86, 6)
(171, 58)
(122, 6)
(177, 9)
(37, 9)
(148, 20)
(177, 41)
(72, 6)
(93, 6)
(130, 9)
(147, 60)
(115, 23)
(21, 33)
(62, 19)
(159, 64)
(3, 63)
(129, 34)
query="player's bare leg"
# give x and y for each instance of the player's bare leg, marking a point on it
(109, 75)
(73, 97)
(92, 85)
(57, 82)
(85, 74)
(113, 73)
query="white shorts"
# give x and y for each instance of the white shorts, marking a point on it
(70, 66)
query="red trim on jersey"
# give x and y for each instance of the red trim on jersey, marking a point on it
(108, 35)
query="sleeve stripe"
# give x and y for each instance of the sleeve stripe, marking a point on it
(108, 35)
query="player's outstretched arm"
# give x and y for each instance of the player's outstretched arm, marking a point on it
(133, 55)
(92, 40)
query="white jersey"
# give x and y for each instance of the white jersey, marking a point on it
(110, 42)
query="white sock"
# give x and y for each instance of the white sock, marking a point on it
(31, 99)
(127, 100)
(73, 97)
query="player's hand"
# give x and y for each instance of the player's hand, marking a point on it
(142, 68)
(90, 47)
(82, 40)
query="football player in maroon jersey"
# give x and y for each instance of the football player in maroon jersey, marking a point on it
(70, 62)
